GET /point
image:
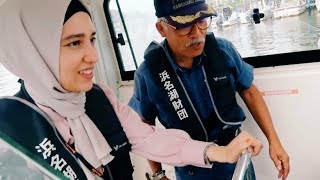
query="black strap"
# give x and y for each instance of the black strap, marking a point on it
(158, 62)
(86, 163)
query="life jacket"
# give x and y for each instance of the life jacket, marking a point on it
(25, 125)
(171, 96)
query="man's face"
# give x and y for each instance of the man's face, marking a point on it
(183, 45)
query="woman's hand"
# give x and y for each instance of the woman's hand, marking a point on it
(232, 152)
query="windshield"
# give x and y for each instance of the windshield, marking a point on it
(287, 26)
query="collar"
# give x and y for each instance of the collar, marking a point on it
(197, 60)
(23, 92)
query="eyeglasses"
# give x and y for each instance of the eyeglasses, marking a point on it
(202, 24)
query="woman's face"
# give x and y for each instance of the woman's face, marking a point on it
(78, 54)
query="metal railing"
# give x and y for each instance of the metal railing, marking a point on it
(243, 170)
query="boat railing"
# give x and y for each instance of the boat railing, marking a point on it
(243, 170)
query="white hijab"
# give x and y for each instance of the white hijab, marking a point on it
(30, 33)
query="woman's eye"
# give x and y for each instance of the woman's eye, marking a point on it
(93, 39)
(74, 43)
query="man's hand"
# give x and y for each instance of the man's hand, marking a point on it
(258, 108)
(280, 159)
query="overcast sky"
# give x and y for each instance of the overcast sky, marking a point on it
(133, 5)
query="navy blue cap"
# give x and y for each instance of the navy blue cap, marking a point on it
(183, 13)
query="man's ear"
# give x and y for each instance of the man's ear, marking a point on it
(161, 29)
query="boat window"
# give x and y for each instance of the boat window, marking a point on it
(8, 82)
(288, 33)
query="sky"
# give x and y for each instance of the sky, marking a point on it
(133, 5)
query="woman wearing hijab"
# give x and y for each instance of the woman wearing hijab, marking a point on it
(60, 117)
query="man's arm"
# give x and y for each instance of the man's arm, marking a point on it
(260, 113)
(155, 166)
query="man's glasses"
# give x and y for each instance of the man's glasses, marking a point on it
(202, 24)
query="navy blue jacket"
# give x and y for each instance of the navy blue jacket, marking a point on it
(160, 92)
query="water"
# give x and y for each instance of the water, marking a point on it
(275, 36)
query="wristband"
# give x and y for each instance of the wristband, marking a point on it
(205, 155)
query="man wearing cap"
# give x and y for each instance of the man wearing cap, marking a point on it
(189, 81)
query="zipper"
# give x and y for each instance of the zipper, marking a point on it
(184, 89)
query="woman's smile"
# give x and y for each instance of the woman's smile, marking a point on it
(87, 73)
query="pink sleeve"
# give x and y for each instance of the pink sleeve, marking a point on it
(169, 146)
